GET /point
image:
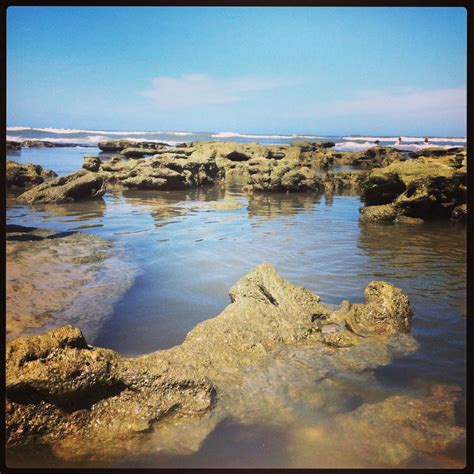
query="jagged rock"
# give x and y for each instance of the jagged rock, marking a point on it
(344, 180)
(13, 146)
(91, 163)
(279, 175)
(114, 146)
(425, 187)
(373, 157)
(312, 146)
(46, 144)
(24, 176)
(459, 213)
(437, 151)
(81, 184)
(381, 213)
(63, 392)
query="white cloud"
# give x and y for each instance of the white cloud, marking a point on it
(409, 103)
(201, 89)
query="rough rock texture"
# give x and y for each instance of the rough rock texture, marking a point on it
(133, 152)
(375, 157)
(91, 163)
(46, 144)
(119, 145)
(397, 432)
(424, 187)
(81, 184)
(25, 176)
(85, 400)
(344, 180)
(13, 146)
(459, 213)
(279, 175)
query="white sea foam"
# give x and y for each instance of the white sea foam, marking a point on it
(409, 139)
(242, 135)
(66, 131)
(356, 146)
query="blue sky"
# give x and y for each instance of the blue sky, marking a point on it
(253, 70)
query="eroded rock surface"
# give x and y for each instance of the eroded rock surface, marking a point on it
(425, 187)
(88, 401)
(81, 184)
(25, 176)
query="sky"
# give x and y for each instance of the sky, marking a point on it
(318, 70)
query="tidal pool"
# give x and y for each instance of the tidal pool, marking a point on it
(183, 250)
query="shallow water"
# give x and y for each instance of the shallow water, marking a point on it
(185, 256)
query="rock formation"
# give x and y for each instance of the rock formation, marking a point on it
(25, 176)
(425, 187)
(80, 399)
(81, 184)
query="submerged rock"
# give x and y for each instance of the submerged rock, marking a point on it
(397, 432)
(81, 184)
(25, 176)
(83, 400)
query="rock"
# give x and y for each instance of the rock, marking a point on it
(420, 423)
(281, 175)
(408, 220)
(64, 393)
(46, 144)
(312, 146)
(91, 163)
(24, 176)
(82, 184)
(373, 157)
(132, 152)
(386, 311)
(382, 213)
(114, 146)
(459, 213)
(426, 187)
(336, 182)
(13, 146)
(437, 151)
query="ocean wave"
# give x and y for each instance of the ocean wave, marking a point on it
(242, 135)
(68, 131)
(409, 139)
(357, 146)
(88, 140)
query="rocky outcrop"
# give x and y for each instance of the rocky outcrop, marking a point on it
(426, 187)
(339, 181)
(374, 157)
(13, 146)
(134, 152)
(91, 163)
(63, 392)
(25, 176)
(46, 144)
(115, 146)
(81, 184)
(459, 213)
(279, 175)
(312, 146)
(161, 172)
